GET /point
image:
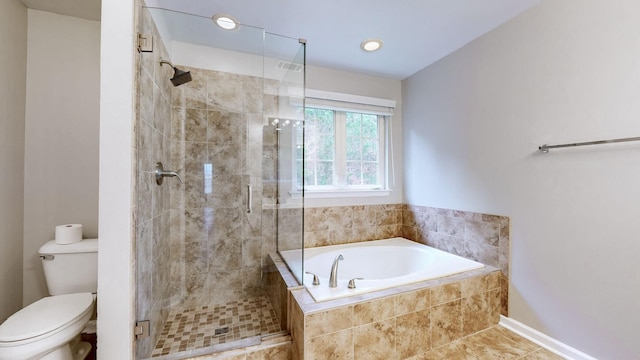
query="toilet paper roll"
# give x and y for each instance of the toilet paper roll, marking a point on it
(68, 234)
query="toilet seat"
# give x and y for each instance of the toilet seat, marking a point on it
(44, 318)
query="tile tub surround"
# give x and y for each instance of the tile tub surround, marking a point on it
(278, 281)
(398, 323)
(476, 236)
(480, 237)
(346, 224)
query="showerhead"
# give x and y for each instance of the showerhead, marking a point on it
(179, 76)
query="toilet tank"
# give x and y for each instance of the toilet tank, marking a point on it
(71, 268)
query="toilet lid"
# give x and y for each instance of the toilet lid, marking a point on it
(45, 315)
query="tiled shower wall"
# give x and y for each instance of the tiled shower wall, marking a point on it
(217, 139)
(151, 210)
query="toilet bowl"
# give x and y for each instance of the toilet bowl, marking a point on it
(45, 329)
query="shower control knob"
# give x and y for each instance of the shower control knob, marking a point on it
(161, 173)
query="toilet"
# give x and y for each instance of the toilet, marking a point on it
(49, 329)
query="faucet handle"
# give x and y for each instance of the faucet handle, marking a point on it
(352, 283)
(161, 173)
(316, 281)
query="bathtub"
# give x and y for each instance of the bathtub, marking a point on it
(381, 263)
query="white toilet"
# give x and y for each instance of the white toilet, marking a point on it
(49, 329)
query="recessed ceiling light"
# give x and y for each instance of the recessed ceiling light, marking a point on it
(370, 45)
(226, 22)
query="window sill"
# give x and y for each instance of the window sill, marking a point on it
(315, 197)
(328, 194)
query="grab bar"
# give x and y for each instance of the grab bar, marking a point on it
(545, 148)
(249, 199)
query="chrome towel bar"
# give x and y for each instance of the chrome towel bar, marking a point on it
(545, 148)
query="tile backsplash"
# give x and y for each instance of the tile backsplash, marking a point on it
(347, 224)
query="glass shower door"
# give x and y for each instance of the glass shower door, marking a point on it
(201, 245)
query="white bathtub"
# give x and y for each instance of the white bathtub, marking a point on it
(382, 263)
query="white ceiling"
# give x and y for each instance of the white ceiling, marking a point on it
(416, 33)
(84, 9)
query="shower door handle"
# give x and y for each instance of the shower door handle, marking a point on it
(249, 199)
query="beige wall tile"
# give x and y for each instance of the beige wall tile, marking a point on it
(342, 236)
(375, 341)
(445, 293)
(339, 218)
(413, 301)
(409, 232)
(482, 232)
(476, 313)
(317, 238)
(474, 285)
(413, 334)
(495, 306)
(337, 345)
(504, 295)
(328, 321)
(297, 329)
(493, 280)
(388, 231)
(364, 234)
(371, 311)
(363, 217)
(451, 226)
(446, 323)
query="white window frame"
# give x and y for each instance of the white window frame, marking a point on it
(341, 104)
(340, 160)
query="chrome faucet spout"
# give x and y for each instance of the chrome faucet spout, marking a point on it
(333, 278)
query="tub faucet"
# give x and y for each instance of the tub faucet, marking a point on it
(333, 278)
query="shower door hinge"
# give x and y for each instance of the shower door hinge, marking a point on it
(145, 43)
(141, 330)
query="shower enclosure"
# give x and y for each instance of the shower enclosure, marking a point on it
(202, 244)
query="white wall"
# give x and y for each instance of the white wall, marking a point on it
(13, 59)
(61, 141)
(564, 71)
(115, 254)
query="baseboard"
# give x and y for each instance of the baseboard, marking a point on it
(543, 340)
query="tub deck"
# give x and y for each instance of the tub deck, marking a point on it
(380, 264)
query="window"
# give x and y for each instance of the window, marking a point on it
(344, 150)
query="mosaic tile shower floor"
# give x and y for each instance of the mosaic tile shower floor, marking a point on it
(195, 328)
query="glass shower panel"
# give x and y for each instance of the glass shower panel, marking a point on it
(201, 245)
(285, 123)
